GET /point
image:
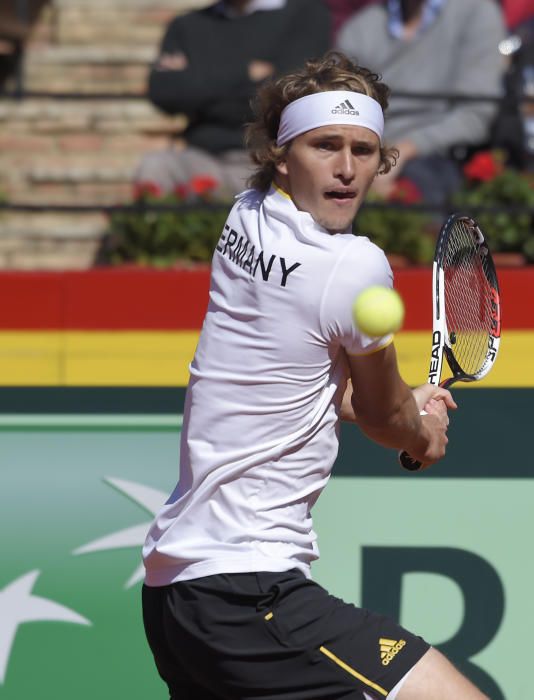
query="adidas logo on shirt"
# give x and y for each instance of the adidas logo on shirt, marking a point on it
(345, 108)
(389, 648)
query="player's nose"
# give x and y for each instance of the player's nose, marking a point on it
(345, 166)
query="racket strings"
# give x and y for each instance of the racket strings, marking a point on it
(468, 294)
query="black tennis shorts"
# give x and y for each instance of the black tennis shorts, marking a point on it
(274, 636)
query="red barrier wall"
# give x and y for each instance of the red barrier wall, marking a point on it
(133, 298)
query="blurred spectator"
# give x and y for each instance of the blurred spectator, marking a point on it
(434, 47)
(210, 64)
(12, 33)
(8, 51)
(341, 10)
(514, 129)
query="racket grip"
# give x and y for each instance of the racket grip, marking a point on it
(408, 462)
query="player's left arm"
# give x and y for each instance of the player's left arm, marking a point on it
(375, 390)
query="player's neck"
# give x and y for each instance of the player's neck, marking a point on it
(281, 183)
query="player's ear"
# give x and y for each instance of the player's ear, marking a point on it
(281, 167)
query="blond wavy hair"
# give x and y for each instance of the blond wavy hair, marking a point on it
(334, 71)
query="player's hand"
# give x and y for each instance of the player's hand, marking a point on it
(434, 403)
(427, 395)
(435, 431)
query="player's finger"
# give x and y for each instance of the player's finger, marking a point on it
(425, 392)
(440, 394)
(446, 396)
(436, 406)
(438, 409)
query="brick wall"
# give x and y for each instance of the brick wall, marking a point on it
(79, 151)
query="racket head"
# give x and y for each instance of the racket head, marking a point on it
(467, 308)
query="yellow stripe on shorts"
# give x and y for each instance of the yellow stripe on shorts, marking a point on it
(353, 672)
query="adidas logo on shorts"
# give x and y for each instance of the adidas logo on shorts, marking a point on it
(389, 648)
(345, 108)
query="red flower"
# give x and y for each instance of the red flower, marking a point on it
(143, 189)
(181, 191)
(483, 166)
(405, 191)
(203, 184)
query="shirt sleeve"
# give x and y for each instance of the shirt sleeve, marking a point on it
(362, 265)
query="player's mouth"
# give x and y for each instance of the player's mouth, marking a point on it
(341, 196)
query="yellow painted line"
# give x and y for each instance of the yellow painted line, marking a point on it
(146, 358)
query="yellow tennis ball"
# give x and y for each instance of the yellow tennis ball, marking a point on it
(378, 311)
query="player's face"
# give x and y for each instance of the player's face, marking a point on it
(327, 172)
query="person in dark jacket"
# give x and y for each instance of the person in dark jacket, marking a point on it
(211, 62)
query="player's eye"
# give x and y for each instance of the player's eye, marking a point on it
(326, 146)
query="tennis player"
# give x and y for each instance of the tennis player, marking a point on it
(230, 609)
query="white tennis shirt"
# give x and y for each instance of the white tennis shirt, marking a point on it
(260, 431)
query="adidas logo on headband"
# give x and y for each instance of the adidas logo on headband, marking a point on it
(345, 108)
(315, 110)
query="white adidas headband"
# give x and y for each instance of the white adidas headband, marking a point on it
(329, 108)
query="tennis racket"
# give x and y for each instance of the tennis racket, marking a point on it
(466, 327)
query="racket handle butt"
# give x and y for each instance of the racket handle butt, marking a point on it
(409, 463)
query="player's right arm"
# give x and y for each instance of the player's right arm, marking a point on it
(386, 409)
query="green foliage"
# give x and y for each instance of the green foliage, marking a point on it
(490, 184)
(162, 238)
(398, 231)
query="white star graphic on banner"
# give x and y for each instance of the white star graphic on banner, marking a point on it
(18, 605)
(151, 500)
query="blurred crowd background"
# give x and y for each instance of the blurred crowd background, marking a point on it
(141, 104)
